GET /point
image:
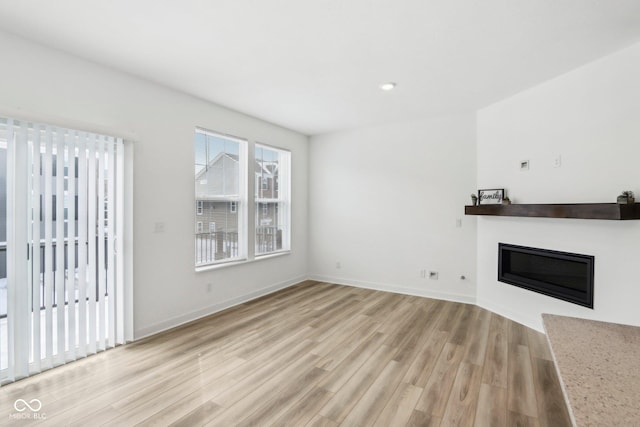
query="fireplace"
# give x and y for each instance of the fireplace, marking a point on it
(561, 275)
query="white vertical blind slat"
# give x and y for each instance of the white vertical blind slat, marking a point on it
(4, 351)
(71, 247)
(48, 246)
(11, 255)
(82, 245)
(119, 204)
(111, 312)
(18, 323)
(35, 251)
(60, 249)
(101, 249)
(27, 143)
(91, 239)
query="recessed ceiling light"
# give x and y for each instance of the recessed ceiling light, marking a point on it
(388, 86)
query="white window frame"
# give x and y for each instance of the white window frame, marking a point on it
(212, 227)
(283, 199)
(242, 205)
(199, 207)
(237, 205)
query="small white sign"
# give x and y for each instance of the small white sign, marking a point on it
(490, 197)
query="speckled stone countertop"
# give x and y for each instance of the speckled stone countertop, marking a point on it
(599, 366)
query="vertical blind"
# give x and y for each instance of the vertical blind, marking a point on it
(63, 278)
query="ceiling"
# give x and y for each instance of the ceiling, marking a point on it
(316, 66)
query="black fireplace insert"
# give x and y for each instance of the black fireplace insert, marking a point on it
(562, 275)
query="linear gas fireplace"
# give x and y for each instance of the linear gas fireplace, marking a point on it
(562, 275)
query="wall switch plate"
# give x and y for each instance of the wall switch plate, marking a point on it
(557, 161)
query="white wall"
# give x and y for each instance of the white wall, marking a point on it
(384, 202)
(590, 118)
(37, 82)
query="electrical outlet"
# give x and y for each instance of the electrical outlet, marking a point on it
(557, 161)
(423, 273)
(459, 222)
(338, 265)
(433, 275)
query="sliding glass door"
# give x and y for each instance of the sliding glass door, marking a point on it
(61, 250)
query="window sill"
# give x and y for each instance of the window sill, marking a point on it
(271, 255)
(241, 261)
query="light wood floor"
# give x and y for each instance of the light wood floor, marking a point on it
(318, 355)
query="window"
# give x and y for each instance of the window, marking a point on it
(220, 181)
(222, 178)
(272, 202)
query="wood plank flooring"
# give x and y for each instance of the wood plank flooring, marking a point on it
(314, 354)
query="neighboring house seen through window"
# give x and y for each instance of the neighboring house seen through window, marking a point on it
(222, 178)
(272, 199)
(220, 188)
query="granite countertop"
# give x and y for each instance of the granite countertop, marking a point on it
(599, 367)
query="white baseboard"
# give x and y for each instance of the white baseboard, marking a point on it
(468, 299)
(531, 322)
(195, 315)
(385, 287)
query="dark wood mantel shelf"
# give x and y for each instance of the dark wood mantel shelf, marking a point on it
(611, 211)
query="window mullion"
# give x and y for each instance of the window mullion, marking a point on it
(251, 201)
